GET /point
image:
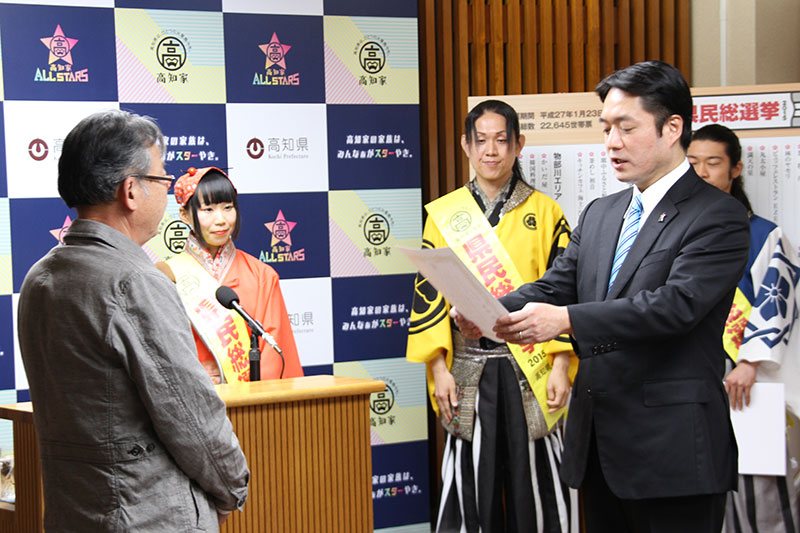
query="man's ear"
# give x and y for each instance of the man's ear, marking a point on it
(129, 192)
(736, 170)
(673, 128)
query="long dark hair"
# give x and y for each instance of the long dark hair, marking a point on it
(504, 110)
(733, 149)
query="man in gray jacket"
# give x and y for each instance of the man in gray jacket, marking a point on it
(132, 434)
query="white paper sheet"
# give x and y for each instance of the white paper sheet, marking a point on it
(760, 431)
(445, 271)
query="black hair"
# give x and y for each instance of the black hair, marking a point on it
(213, 188)
(733, 149)
(504, 110)
(662, 88)
(101, 151)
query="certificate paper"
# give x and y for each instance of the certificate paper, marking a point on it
(760, 430)
(445, 271)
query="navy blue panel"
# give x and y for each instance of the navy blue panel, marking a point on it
(373, 147)
(372, 8)
(195, 133)
(58, 53)
(274, 58)
(287, 231)
(35, 219)
(23, 395)
(405, 500)
(370, 316)
(6, 344)
(194, 5)
(318, 370)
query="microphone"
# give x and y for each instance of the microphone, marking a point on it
(230, 300)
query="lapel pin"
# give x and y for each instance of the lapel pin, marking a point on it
(661, 217)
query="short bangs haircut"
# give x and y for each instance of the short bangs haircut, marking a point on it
(213, 188)
(662, 89)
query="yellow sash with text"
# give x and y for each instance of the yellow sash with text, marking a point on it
(222, 330)
(469, 234)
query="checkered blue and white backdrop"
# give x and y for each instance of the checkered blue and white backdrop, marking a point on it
(314, 107)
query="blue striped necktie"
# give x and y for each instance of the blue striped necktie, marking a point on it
(626, 238)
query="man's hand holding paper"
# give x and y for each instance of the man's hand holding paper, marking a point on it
(534, 323)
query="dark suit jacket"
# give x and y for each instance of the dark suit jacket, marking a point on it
(651, 355)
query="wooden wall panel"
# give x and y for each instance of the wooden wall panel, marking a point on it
(682, 39)
(530, 47)
(623, 38)
(562, 44)
(446, 104)
(487, 47)
(514, 66)
(428, 95)
(461, 67)
(653, 31)
(546, 48)
(608, 27)
(477, 41)
(637, 35)
(496, 47)
(667, 24)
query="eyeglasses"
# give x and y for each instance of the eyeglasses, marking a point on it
(169, 178)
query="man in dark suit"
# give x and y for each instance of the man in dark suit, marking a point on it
(644, 289)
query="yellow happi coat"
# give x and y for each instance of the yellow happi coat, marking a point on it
(533, 230)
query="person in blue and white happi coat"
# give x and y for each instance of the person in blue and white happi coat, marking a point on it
(758, 333)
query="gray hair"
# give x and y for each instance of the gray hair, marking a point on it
(101, 151)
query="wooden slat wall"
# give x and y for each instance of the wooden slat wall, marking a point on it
(488, 47)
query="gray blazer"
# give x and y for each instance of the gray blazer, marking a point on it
(649, 382)
(133, 436)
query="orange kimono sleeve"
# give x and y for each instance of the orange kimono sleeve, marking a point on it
(259, 291)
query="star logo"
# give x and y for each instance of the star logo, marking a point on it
(281, 229)
(60, 46)
(58, 233)
(275, 52)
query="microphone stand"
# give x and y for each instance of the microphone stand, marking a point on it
(255, 357)
(227, 297)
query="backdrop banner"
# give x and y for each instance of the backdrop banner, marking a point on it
(311, 105)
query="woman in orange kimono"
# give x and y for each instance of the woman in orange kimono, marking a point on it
(209, 205)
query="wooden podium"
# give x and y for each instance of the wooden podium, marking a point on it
(307, 442)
